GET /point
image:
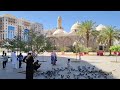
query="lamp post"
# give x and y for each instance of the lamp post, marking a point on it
(44, 50)
(54, 44)
(74, 45)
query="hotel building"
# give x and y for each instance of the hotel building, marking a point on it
(10, 27)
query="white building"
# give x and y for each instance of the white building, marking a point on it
(23, 28)
(38, 28)
(10, 26)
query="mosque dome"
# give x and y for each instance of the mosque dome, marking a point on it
(60, 32)
(100, 27)
(75, 26)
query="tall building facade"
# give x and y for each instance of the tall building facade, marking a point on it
(38, 28)
(23, 29)
(11, 27)
(8, 27)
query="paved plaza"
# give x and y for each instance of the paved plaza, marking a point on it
(104, 63)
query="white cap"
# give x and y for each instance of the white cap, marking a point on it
(30, 51)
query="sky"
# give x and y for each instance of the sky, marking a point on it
(49, 18)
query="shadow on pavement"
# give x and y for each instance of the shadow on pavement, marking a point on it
(78, 70)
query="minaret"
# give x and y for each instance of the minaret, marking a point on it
(59, 23)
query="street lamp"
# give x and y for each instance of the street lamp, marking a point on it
(54, 44)
(74, 45)
(78, 49)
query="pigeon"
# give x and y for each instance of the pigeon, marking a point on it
(46, 77)
(68, 76)
(74, 76)
(98, 76)
(69, 72)
(88, 77)
(88, 67)
(62, 76)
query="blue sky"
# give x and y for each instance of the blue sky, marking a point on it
(49, 18)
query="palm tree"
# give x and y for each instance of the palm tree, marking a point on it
(85, 30)
(95, 35)
(108, 35)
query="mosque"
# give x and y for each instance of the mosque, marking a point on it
(62, 39)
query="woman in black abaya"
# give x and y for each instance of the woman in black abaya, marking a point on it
(29, 66)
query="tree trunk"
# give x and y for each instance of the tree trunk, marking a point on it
(87, 37)
(20, 40)
(110, 43)
(20, 49)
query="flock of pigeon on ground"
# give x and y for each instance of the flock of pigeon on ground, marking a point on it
(82, 72)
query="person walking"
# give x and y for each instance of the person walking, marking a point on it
(20, 58)
(53, 58)
(14, 59)
(5, 59)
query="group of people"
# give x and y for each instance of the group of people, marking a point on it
(31, 66)
(14, 59)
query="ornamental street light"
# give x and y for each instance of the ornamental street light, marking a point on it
(74, 45)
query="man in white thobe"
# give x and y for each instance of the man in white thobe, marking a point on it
(14, 60)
